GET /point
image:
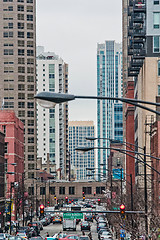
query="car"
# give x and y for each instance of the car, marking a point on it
(61, 235)
(49, 238)
(36, 238)
(84, 238)
(22, 235)
(85, 226)
(4, 235)
(89, 217)
(57, 219)
(105, 235)
(26, 230)
(100, 232)
(71, 237)
(44, 222)
(101, 225)
(14, 238)
(36, 226)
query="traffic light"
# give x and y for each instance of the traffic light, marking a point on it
(122, 211)
(83, 198)
(41, 210)
(55, 197)
(83, 193)
(99, 201)
(66, 198)
(94, 193)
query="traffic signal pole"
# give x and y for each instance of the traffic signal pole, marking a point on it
(145, 194)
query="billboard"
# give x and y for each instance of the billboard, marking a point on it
(117, 173)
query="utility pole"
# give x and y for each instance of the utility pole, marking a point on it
(145, 194)
(121, 185)
(23, 197)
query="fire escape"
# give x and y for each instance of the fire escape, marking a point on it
(136, 36)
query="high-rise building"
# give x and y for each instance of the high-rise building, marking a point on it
(52, 124)
(109, 83)
(18, 69)
(78, 131)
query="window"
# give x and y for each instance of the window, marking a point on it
(21, 95)
(30, 26)
(30, 148)
(30, 113)
(20, 25)
(20, 8)
(21, 52)
(21, 113)
(8, 104)
(20, 16)
(10, 8)
(8, 34)
(21, 104)
(21, 87)
(30, 166)
(159, 68)
(29, 1)
(156, 2)
(29, 34)
(31, 175)
(156, 48)
(61, 190)
(7, 0)
(52, 190)
(21, 61)
(31, 140)
(158, 90)
(30, 70)
(8, 51)
(156, 20)
(30, 53)
(29, 43)
(30, 105)
(21, 34)
(31, 123)
(30, 189)
(6, 147)
(30, 96)
(42, 191)
(8, 25)
(87, 190)
(21, 69)
(21, 1)
(29, 17)
(71, 190)
(20, 43)
(30, 78)
(30, 157)
(30, 88)
(30, 61)
(21, 78)
(29, 8)
(99, 190)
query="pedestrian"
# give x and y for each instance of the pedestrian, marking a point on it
(47, 234)
(90, 235)
(83, 233)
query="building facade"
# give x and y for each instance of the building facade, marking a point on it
(52, 124)
(109, 83)
(18, 69)
(13, 129)
(78, 132)
(3, 180)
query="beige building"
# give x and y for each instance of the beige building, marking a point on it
(17, 69)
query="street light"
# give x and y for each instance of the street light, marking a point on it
(50, 99)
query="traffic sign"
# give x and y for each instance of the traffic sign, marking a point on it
(122, 235)
(72, 215)
(122, 231)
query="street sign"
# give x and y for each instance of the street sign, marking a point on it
(122, 231)
(72, 215)
(122, 235)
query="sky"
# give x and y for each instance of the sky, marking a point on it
(72, 29)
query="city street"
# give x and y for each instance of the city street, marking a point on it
(55, 228)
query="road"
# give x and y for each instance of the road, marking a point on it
(55, 228)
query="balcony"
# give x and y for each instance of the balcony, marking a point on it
(139, 7)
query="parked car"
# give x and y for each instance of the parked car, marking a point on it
(61, 236)
(75, 237)
(85, 226)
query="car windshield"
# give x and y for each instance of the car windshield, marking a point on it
(73, 237)
(62, 235)
(83, 238)
(102, 224)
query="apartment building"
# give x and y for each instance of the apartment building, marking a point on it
(18, 69)
(109, 83)
(52, 124)
(78, 131)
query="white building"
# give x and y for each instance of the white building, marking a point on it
(52, 124)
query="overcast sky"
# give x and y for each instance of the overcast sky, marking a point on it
(72, 29)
